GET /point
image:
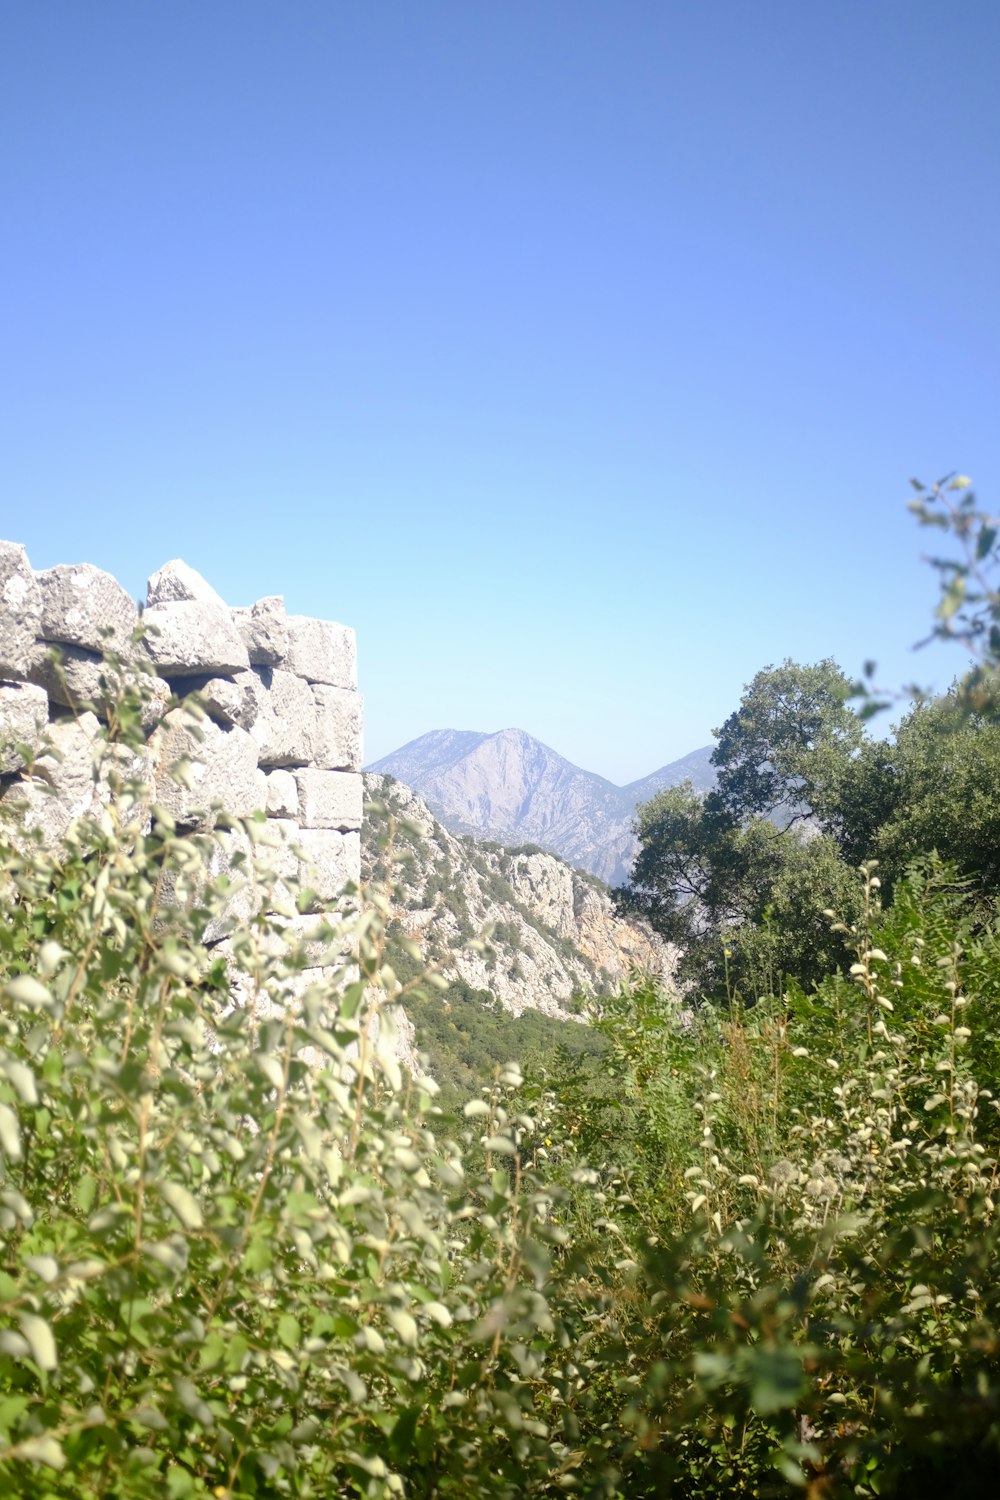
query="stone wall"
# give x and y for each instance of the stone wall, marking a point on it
(282, 715)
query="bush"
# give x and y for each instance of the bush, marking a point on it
(239, 1259)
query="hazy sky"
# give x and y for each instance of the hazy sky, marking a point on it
(577, 354)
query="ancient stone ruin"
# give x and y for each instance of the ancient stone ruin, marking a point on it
(281, 730)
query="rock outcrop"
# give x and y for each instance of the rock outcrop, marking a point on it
(550, 933)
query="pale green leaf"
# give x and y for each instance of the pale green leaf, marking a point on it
(184, 1204)
(40, 1341)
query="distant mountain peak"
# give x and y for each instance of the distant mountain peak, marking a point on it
(511, 787)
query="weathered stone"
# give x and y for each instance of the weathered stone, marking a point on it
(282, 795)
(285, 726)
(329, 799)
(330, 861)
(193, 636)
(20, 609)
(155, 699)
(71, 781)
(322, 651)
(24, 715)
(339, 711)
(264, 630)
(219, 764)
(71, 676)
(275, 846)
(232, 856)
(84, 606)
(175, 582)
(227, 700)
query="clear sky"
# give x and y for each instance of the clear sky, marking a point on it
(576, 353)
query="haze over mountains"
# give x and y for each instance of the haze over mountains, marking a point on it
(510, 787)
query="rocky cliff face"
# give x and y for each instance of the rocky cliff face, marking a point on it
(512, 788)
(551, 934)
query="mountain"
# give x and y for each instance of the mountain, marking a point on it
(510, 787)
(551, 933)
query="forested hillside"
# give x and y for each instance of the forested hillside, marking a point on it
(246, 1253)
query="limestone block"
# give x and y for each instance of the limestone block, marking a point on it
(264, 630)
(227, 700)
(275, 846)
(176, 581)
(193, 636)
(232, 857)
(70, 675)
(322, 651)
(285, 727)
(155, 700)
(72, 781)
(218, 763)
(24, 715)
(20, 609)
(80, 602)
(339, 715)
(282, 795)
(330, 861)
(329, 799)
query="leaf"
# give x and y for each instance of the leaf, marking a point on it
(289, 1331)
(271, 1069)
(184, 1204)
(44, 1449)
(10, 1133)
(502, 1145)
(26, 990)
(22, 1078)
(404, 1324)
(40, 1341)
(438, 1313)
(776, 1378)
(45, 1267)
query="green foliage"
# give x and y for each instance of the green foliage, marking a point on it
(238, 1258)
(786, 746)
(746, 1250)
(802, 1199)
(740, 878)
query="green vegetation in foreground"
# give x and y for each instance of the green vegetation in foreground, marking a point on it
(244, 1256)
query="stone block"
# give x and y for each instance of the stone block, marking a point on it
(72, 676)
(282, 797)
(193, 636)
(330, 861)
(71, 780)
(84, 606)
(175, 582)
(339, 714)
(227, 700)
(24, 717)
(285, 727)
(329, 799)
(264, 630)
(217, 763)
(322, 651)
(20, 610)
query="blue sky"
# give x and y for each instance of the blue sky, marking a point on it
(576, 354)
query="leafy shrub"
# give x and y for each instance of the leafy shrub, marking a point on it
(238, 1258)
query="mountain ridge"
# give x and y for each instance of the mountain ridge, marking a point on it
(510, 787)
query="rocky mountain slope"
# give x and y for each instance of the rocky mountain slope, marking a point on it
(551, 932)
(510, 787)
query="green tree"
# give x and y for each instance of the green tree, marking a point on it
(785, 749)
